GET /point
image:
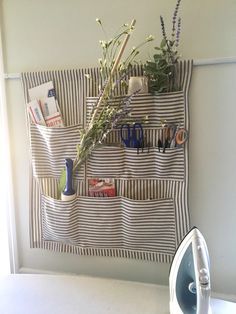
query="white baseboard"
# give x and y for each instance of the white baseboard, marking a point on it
(26, 270)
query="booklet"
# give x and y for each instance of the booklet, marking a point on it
(48, 106)
(42, 91)
(35, 112)
(54, 120)
(104, 187)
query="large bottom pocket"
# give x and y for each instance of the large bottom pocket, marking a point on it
(115, 222)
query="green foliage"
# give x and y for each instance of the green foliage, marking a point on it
(161, 69)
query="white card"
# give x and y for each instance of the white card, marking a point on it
(42, 91)
(48, 106)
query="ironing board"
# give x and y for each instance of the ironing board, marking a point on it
(66, 294)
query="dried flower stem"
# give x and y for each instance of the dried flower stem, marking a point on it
(104, 116)
(108, 83)
(112, 74)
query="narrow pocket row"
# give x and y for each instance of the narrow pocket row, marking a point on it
(49, 187)
(122, 162)
(167, 106)
(50, 147)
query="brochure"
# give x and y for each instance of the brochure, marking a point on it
(35, 112)
(42, 91)
(47, 107)
(102, 187)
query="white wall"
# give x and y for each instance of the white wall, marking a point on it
(53, 34)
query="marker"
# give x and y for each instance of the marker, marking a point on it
(69, 193)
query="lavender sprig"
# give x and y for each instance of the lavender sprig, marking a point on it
(177, 38)
(163, 29)
(175, 14)
(172, 44)
(161, 71)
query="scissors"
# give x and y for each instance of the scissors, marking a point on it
(134, 137)
(181, 136)
(174, 136)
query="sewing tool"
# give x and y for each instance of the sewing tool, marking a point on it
(173, 136)
(69, 193)
(132, 136)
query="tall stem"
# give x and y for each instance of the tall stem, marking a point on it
(112, 73)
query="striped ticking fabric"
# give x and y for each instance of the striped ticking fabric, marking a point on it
(50, 147)
(118, 222)
(168, 107)
(49, 187)
(122, 162)
(151, 137)
(149, 216)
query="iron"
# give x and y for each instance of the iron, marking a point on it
(189, 279)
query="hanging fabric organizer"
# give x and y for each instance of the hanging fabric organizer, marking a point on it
(149, 216)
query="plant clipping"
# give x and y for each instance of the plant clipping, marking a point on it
(105, 116)
(161, 70)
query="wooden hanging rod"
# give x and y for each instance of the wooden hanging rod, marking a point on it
(200, 62)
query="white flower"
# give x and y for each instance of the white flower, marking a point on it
(103, 43)
(150, 38)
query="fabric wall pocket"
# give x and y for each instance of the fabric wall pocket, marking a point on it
(122, 162)
(50, 147)
(140, 179)
(166, 106)
(49, 187)
(114, 223)
(150, 108)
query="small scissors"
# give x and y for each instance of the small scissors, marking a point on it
(174, 136)
(134, 137)
(181, 136)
